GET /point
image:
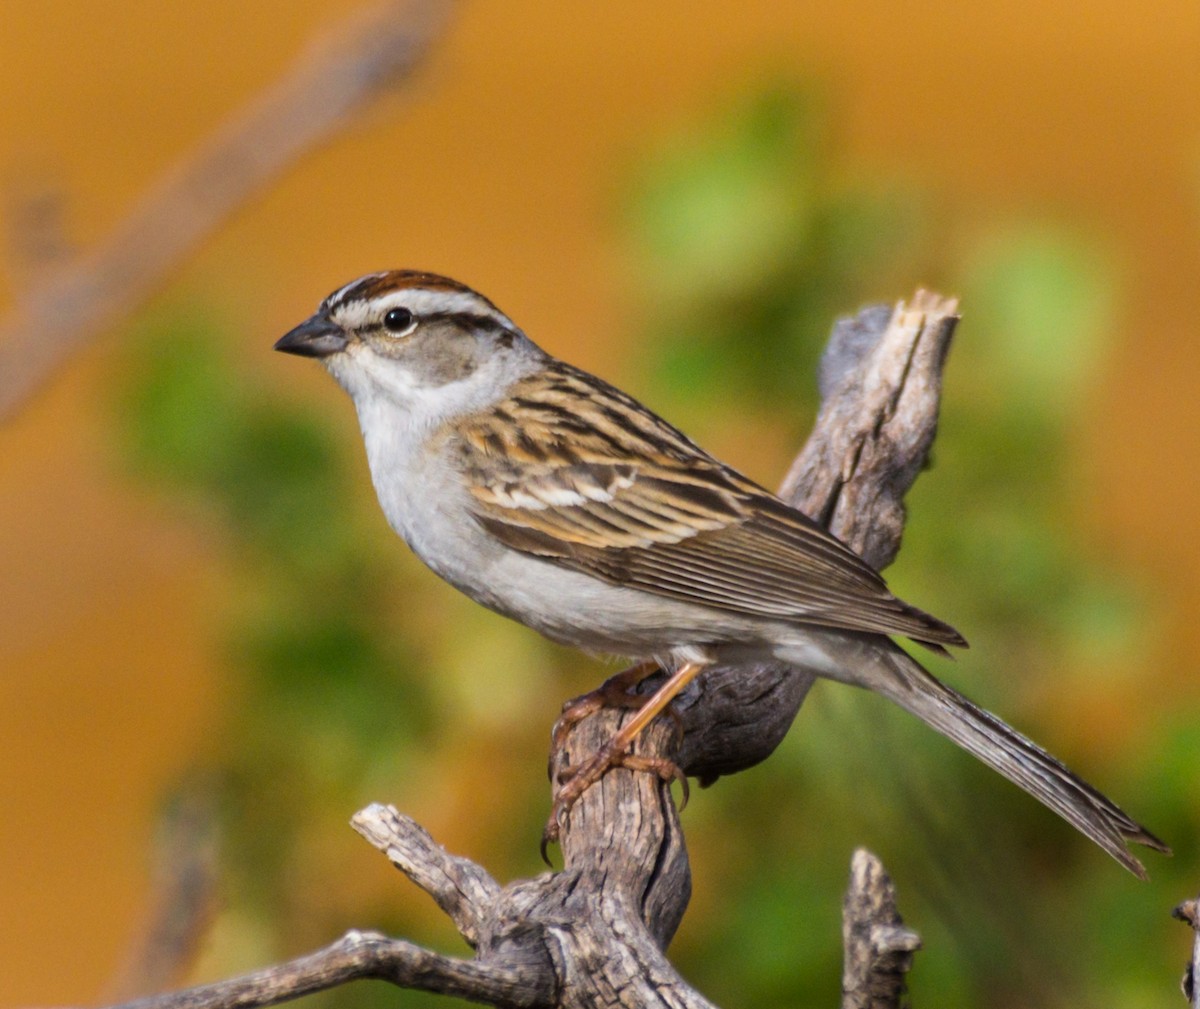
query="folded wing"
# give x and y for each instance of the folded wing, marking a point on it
(588, 479)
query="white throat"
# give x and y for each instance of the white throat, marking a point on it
(400, 416)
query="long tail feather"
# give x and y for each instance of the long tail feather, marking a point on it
(1019, 759)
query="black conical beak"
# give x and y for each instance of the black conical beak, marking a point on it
(315, 337)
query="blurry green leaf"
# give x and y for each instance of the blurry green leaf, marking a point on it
(177, 413)
(1046, 300)
(715, 210)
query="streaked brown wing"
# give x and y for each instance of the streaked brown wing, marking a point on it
(610, 506)
(580, 474)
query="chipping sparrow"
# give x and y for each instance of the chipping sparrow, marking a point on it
(557, 500)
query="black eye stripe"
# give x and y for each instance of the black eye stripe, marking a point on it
(470, 320)
(399, 320)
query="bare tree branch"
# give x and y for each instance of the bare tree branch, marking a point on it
(76, 299)
(184, 896)
(880, 381)
(1189, 913)
(354, 957)
(880, 398)
(878, 948)
(461, 888)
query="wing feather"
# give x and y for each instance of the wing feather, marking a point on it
(574, 471)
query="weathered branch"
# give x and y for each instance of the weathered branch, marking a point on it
(879, 410)
(76, 299)
(1189, 913)
(878, 948)
(354, 957)
(594, 933)
(461, 888)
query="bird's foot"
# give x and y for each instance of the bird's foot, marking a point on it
(617, 691)
(575, 780)
(578, 778)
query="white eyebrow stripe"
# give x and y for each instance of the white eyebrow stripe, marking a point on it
(337, 295)
(423, 302)
(353, 315)
(357, 313)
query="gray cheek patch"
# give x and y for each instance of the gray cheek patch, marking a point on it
(441, 358)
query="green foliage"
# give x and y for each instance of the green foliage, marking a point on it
(748, 249)
(750, 245)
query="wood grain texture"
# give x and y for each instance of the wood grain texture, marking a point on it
(1189, 913)
(878, 948)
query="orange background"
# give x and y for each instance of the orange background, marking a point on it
(501, 165)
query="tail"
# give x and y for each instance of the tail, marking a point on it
(1020, 760)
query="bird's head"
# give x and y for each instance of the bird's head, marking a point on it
(418, 341)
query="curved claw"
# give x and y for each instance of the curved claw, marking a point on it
(579, 778)
(667, 770)
(548, 838)
(615, 692)
(564, 799)
(685, 791)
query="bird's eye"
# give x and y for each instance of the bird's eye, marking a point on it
(398, 320)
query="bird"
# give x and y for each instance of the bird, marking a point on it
(550, 496)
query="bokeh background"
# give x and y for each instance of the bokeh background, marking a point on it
(201, 608)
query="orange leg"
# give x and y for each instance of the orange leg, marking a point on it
(663, 696)
(615, 692)
(614, 753)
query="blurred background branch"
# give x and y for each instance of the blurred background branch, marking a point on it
(74, 297)
(185, 879)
